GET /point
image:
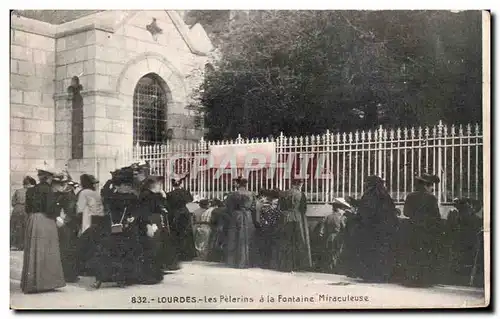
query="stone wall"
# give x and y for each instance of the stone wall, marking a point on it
(32, 77)
(109, 52)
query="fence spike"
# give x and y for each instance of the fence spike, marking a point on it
(469, 129)
(477, 129)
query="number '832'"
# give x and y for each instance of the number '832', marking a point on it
(138, 299)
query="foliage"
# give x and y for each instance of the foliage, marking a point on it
(305, 72)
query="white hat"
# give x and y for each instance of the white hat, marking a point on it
(341, 201)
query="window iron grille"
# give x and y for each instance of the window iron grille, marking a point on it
(150, 111)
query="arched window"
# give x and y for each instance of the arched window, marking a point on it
(150, 110)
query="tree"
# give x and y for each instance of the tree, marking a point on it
(305, 72)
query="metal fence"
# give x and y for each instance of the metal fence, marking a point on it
(337, 165)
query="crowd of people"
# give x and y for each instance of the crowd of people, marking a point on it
(129, 232)
(132, 232)
(371, 239)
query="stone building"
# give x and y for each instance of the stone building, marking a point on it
(137, 71)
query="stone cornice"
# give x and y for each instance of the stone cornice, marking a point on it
(108, 21)
(68, 96)
(183, 29)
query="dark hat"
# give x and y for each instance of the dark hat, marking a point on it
(88, 180)
(28, 180)
(152, 179)
(45, 172)
(142, 165)
(204, 203)
(428, 178)
(175, 183)
(297, 181)
(123, 176)
(241, 181)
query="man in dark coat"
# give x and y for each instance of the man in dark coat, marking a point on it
(422, 209)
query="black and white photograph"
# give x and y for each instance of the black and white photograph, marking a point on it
(249, 159)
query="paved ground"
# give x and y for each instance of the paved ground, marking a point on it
(200, 285)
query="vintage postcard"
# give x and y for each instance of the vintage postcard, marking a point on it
(232, 159)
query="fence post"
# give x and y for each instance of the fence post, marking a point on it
(440, 164)
(380, 150)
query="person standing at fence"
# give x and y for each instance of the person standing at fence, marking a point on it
(118, 252)
(219, 220)
(241, 245)
(152, 226)
(376, 233)
(18, 216)
(425, 222)
(180, 221)
(42, 267)
(292, 247)
(268, 216)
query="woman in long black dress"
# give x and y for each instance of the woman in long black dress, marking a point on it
(180, 221)
(241, 245)
(291, 252)
(425, 226)
(268, 218)
(152, 226)
(42, 267)
(68, 234)
(119, 252)
(378, 226)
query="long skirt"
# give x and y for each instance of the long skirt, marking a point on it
(17, 229)
(118, 259)
(421, 256)
(182, 232)
(151, 271)
(88, 241)
(68, 240)
(266, 239)
(202, 234)
(376, 253)
(240, 245)
(42, 267)
(290, 252)
(217, 244)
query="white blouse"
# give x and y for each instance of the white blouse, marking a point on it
(89, 204)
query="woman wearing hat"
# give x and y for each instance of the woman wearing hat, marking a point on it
(18, 216)
(292, 248)
(241, 248)
(332, 236)
(68, 228)
(268, 216)
(378, 225)
(422, 208)
(180, 220)
(42, 267)
(118, 253)
(93, 221)
(153, 229)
